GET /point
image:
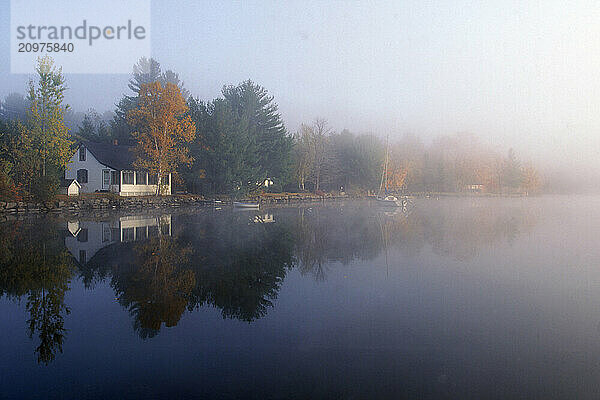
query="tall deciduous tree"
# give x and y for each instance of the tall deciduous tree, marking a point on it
(164, 129)
(303, 155)
(145, 71)
(320, 149)
(49, 135)
(531, 181)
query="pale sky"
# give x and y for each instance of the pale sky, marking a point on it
(515, 73)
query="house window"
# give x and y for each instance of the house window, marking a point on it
(81, 153)
(128, 234)
(106, 234)
(153, 231)
(152, 179)
(82, 257)
(128, 177)
(140, 178)
(105, 178)
(115, 177)
(165, 180)
(82, 175)
(140, 233)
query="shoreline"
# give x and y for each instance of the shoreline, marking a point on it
(108, 202)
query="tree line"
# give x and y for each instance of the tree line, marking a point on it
(233, 144)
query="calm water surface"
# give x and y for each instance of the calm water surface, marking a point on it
(457, 298)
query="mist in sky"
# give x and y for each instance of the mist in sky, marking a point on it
(517, 74)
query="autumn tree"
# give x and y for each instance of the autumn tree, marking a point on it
(531, 181)
(18, 160)
(164, 130)
(145, 71)
(46, 127)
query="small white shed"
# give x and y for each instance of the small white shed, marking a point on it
(69, 187)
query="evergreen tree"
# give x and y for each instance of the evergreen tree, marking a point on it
(87, 129)
(227, 156)
(511, 171)
(243, 141)
(14, 107)
(93, 128)
(259, 116)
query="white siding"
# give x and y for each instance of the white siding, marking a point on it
(94, 169)
(94, 183)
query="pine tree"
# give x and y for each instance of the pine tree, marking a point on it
(226, 155)
(258, 115)
(511, 171)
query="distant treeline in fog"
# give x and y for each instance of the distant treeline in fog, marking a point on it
(235, 143)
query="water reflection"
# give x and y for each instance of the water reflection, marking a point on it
(34, 266)
(161, 266)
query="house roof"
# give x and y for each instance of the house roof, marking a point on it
(118, 157)
(68, 182)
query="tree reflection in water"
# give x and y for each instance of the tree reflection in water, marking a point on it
(156, 286)
(35, 266)
(234, 261)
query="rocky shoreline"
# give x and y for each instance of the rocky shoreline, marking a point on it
(106, 202)
(109, 202)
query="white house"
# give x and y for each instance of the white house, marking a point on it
(70, 187)
(102, 167)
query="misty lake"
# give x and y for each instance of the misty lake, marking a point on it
(455, 298)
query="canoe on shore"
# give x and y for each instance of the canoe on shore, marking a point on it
(241, 204)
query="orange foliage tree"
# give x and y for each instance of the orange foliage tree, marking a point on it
(397, 173)
(162, 130)
(531, 182)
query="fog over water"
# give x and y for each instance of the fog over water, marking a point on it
(517, 74)
(453, 298)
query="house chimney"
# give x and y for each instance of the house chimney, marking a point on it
(115, 142)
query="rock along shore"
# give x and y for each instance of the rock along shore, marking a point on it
(111, 202)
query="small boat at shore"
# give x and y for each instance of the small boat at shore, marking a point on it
(392, 201)
(243, 204)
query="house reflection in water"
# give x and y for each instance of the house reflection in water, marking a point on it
(263, 219)
(88, 237)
